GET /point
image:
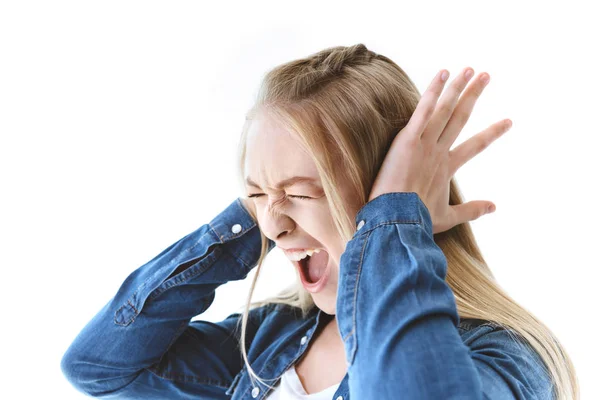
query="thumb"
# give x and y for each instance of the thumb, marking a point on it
(472, 210)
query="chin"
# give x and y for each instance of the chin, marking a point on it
(326, 305)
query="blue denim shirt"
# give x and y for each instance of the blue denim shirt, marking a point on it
(397, 316)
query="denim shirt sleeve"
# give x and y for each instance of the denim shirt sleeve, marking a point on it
(398, 317)
(141, 344)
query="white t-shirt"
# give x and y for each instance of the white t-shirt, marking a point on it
(290, 388)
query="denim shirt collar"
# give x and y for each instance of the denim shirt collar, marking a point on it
(271, 369)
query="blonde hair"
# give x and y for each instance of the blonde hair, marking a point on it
(352, 102)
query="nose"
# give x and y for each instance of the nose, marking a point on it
(274, 222)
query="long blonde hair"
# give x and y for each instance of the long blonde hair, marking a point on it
(351, 102)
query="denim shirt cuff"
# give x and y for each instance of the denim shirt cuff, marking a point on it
(393, 208)
(233, 222)
(232, 232)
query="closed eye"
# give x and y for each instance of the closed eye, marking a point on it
(297, 197)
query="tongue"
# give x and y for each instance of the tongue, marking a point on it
(316, 265)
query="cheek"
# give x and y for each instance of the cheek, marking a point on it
(335, 271)
(314, 219)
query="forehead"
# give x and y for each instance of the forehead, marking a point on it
(273, 154)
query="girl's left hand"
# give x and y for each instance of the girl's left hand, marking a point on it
(419, 159)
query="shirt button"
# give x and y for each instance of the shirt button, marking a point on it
(236, 228)
(255, 392)
(303, 340)
(339, 398)
(360, 224)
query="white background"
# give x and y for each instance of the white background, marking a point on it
(120, 122)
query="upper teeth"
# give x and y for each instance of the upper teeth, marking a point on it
(299, 255)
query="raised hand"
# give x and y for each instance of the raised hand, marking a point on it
(419, 159)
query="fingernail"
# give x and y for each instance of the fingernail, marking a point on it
(485, 78)
(468, 74)
(491, 209)
(445, 75)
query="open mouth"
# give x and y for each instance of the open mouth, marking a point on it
(303, 264)
(314, 268)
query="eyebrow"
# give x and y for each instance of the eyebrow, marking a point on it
(287, 182)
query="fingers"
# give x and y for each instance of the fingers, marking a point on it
(426, 106)
(463, 110)
(472, 210)
(475, 145)
(446, 106)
